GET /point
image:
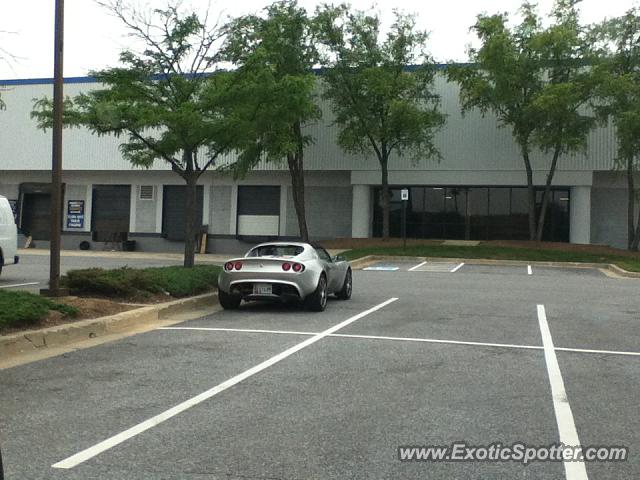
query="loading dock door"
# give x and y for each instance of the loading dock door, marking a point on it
(174, 206)
(258, 211)
(36, 215)
(110, 211)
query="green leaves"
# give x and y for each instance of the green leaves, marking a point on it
(382, 100)
(164, 100)
(275, 83)
(535, 80)
(618, 89)
(505, 73)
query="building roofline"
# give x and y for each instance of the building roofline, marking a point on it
(89, 79)
(46, 81)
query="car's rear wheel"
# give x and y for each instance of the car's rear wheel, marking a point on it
(347, 287)
(317, 301)
(227, 301)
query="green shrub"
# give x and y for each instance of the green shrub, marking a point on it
(122, 282)
(139, 283)
(22, 308)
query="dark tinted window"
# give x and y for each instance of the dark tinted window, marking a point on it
(473, 213)
(519, 201)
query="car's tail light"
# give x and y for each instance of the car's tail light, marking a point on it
(238, 266)
(228, 266)
(298, 267)
(286, 266)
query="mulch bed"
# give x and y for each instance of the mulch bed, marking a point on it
(87, 307)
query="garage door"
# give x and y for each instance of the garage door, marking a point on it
(258, 211)
(36, 215)
(110, 211)
(174, 206)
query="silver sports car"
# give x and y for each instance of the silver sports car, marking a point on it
(285, 271)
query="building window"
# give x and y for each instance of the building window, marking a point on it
(473, 213)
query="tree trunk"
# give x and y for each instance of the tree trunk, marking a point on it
(385, 198)
(532, 193)
(547, 193)
(636, 238)
(296, 169)
(190, 233)
(631, 205)
(297, 185)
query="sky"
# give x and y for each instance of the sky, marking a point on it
(93, 38)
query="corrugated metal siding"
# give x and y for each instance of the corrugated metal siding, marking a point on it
(25, 147)
(472, 142)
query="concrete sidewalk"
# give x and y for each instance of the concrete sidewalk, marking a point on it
(213, 258)
(206, 258)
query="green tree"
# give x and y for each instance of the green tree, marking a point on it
(564, 122)
(275, 56)
(162, 100)
(618, 100)
(536, 81)
(380, 88)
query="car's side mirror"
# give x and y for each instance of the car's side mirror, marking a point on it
(339, 258)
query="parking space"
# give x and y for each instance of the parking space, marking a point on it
(441, 266)
(342, 424)
(427, 357)
(604, 392)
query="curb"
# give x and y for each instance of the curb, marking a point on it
(622, 272)
(206, 258)
(37, 340)
(363, 262)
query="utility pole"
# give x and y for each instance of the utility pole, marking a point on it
(56, 167)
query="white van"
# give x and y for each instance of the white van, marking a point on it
(8, 235)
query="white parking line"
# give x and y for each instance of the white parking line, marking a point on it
(409, 339)
(529, 270)
(97, 449)
(240, 330)
(433, 340)
(564, 417)
(382, 268)
(19, 285)
(601, 352)
(417, 267)
(454, 270)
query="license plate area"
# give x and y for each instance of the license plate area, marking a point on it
(262, 289)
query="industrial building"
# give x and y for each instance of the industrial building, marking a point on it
(477, 190)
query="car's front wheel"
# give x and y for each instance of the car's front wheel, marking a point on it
(347, 287)
(227, 301)
(317, 301)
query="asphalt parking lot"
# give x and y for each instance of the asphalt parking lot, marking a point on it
(431, 356)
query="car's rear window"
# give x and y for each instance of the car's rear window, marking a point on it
(276, 251)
